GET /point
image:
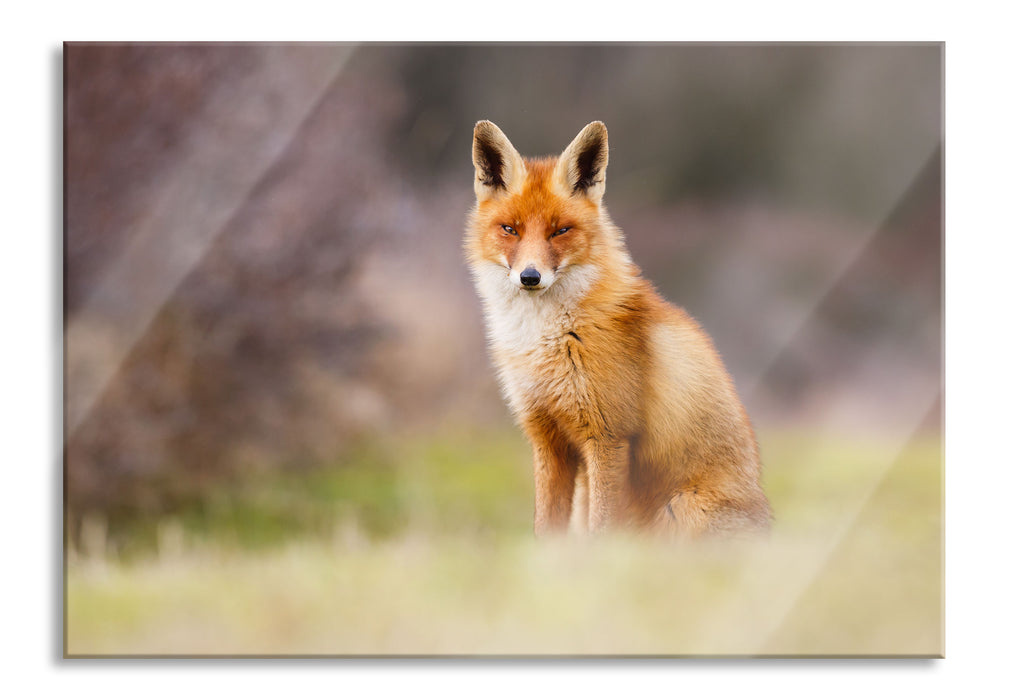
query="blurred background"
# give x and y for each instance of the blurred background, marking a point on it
(271, 336)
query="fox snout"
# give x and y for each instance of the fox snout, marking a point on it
(529, 277)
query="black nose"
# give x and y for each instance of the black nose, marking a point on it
(529, 277)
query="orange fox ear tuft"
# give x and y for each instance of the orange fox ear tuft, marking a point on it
(582, 165)
(499, 166)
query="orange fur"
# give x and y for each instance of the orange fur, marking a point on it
(633, 419)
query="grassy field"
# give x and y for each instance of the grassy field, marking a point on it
(425, 547)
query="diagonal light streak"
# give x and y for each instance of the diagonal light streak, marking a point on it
(741, 627)
(214, 174)
(816, 299)
(816, 560)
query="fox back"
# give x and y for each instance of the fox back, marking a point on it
(633, 420)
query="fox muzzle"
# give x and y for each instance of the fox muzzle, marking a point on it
(529, 277)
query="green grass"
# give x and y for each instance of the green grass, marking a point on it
(425, 547)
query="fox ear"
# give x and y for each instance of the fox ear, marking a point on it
(499, 166)
(582, 166)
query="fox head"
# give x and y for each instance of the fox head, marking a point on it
(537, 218)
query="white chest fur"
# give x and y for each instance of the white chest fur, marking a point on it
(527, 331)
(522, 323)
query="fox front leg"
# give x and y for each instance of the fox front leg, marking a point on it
(608, 468)
(555, 466)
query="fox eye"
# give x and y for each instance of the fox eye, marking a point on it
(560, 231)
(509, 230)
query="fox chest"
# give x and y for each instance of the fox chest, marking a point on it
(549, 370)
(553, 360)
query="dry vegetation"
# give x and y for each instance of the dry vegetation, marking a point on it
(854, 567)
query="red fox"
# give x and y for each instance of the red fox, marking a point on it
(633, 420)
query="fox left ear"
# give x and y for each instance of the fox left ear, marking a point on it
(582, 166)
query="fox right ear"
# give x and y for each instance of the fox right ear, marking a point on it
(499, 166)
